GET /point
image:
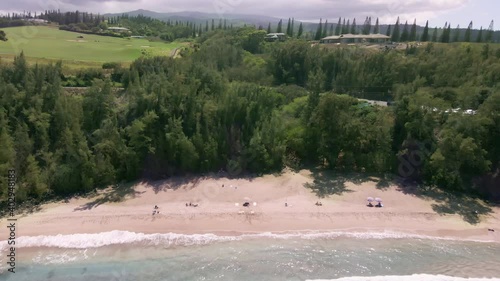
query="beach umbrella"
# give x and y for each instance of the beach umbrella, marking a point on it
(254, 204)
(369, 199)
(378, 199)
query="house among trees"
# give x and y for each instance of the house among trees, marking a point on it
(355, 38)
(273, 37)
(37, 21)
(118, 29)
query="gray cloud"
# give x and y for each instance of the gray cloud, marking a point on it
(387, 10)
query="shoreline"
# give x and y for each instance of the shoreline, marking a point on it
(220, 211)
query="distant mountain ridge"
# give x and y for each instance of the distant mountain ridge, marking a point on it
(200, 17)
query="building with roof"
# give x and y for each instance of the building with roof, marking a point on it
(118, 29)
(356, 38)
(39, 21)
(272, 37)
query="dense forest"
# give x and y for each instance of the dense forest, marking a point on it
(237, 103)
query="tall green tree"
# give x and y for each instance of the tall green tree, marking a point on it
(425, 34)
(445, 36)
(435, 35)
(468, 33)
(345, 28)
(338, 28)
(292, 29)
(396, 33)
(269, 28)
(367, 26)
(389, 31)
(279, 29)
(354, 27)
(413, 32)
(289, 27)
(324, 31)
(480, 36)
(489, 33)
(301, 30)
(34, 184)
(376, 29)
(319, 30)
(456, 34)
(405, 34)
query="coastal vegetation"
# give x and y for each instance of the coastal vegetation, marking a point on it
(238, 104)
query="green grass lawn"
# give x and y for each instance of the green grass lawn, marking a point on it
(44, 43)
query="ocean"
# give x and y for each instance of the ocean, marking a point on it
(121, 255)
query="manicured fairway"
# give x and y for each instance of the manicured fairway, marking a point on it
(50, 43)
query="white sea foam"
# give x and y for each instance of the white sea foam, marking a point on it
(84, 241)
(416, 277)
(356, 235)
(58, 258)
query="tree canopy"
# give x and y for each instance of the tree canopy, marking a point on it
(237, 103)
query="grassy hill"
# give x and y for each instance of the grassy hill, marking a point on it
(49, 43)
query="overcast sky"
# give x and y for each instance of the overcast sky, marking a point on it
(436, 11)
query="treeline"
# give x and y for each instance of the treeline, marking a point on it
(238, 104)
(343, 27)
(67, 18)
(399, 32)
(168, 30)
(4, 22)
(53, 16)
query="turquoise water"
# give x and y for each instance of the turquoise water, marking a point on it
(265, 257)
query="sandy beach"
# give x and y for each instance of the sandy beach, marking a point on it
(219, 210)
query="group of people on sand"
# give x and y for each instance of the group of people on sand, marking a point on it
(191, 205)
(319, 204)
(155, 210)
(379, 205)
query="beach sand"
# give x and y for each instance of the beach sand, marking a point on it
(403, 211)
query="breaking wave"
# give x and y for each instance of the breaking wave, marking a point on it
(85, 241)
